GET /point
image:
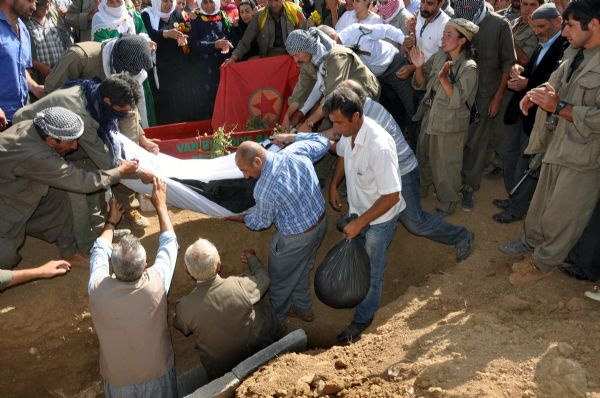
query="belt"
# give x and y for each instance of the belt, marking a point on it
(316, 224)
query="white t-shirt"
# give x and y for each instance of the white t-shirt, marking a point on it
(371, 169)
(429, 35)
(349, 17)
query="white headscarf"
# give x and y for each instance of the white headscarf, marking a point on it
(217, 7)
(155, 12)
(113, 18)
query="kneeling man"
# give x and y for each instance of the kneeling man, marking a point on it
(229, 317)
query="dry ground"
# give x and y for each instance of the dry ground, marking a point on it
(451, 330)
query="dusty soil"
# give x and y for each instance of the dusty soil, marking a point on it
(449, 330)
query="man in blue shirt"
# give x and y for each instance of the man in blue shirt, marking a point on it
(287, 194)
(15, 58)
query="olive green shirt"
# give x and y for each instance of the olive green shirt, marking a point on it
(341, 64)
(574, 144)
(452, 114)
(28, 167)
(524, 37)
(81, 61)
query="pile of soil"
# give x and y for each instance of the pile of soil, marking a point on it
(443, 330)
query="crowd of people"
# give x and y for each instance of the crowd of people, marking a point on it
(409, 96)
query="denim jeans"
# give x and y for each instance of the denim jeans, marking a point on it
(376, 240)
(421, 223)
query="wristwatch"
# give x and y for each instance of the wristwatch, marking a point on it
(111, 223)
(559, 107)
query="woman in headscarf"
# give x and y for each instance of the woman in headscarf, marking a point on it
(113, 19)
(166, 26)
(210, 43)
(449, 79)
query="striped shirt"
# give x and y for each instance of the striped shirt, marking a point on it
(287, 192)
(407, 160)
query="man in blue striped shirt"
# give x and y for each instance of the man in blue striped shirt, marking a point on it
(287, 194)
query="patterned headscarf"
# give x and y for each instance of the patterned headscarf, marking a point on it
(390, 9)
(469, 9)
(59, 123)
(313, 41)
(130, 54)
(155, 12)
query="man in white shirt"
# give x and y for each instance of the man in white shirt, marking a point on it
(129, 308)
(369, 161)
(426, 29)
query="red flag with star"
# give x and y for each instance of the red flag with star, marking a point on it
(255, 88)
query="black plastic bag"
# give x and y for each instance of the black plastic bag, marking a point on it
(343, 278)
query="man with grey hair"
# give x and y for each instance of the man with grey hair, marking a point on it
(129, 308)
(229, 317)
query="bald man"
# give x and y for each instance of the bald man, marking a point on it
(287, 194)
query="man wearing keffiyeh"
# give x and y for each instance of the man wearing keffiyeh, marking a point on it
(495, 56)
(323, 65)
(34, 175)
(100, 105)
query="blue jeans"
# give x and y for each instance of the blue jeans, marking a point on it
(376, 240)
(421, 223)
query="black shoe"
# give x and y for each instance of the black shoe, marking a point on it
(501, 203)
(464, 248)
(495, 174)
(467, 198)
(506, 217)
(353, 331)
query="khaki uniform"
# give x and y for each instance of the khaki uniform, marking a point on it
(81, 61)
(32, 199)
(441, 142)
(523, 37)
(229, 318)
(341, 64)
(569, 184)
(90, 148)
(76, 18)
(494, 54)
(84, 61)
(265, 37)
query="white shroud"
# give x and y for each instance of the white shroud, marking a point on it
(167, 167)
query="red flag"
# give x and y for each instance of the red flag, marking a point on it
(255, 88)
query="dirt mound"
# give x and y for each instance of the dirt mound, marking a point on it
(462, 331)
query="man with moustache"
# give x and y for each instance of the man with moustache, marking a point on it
(567, 127)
